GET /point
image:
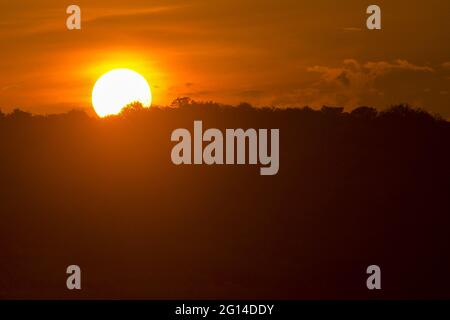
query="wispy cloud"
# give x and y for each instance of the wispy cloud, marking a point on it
(114, 14)
(446, 65)
(352, 29)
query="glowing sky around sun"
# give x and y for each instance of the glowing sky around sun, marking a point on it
(264, 52)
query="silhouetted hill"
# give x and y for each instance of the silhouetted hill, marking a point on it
(353, 189)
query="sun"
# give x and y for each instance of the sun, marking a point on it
(118, 88)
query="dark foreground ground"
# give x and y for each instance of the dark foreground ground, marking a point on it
(353, 190)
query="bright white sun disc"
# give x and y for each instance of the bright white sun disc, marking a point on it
(118, 88)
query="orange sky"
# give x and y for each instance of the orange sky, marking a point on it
(265, 52)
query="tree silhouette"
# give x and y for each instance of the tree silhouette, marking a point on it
(134, 107)
(353, 189)
(18, 114)
(366, 113)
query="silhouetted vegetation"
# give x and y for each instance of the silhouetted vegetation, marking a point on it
(354, 189)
